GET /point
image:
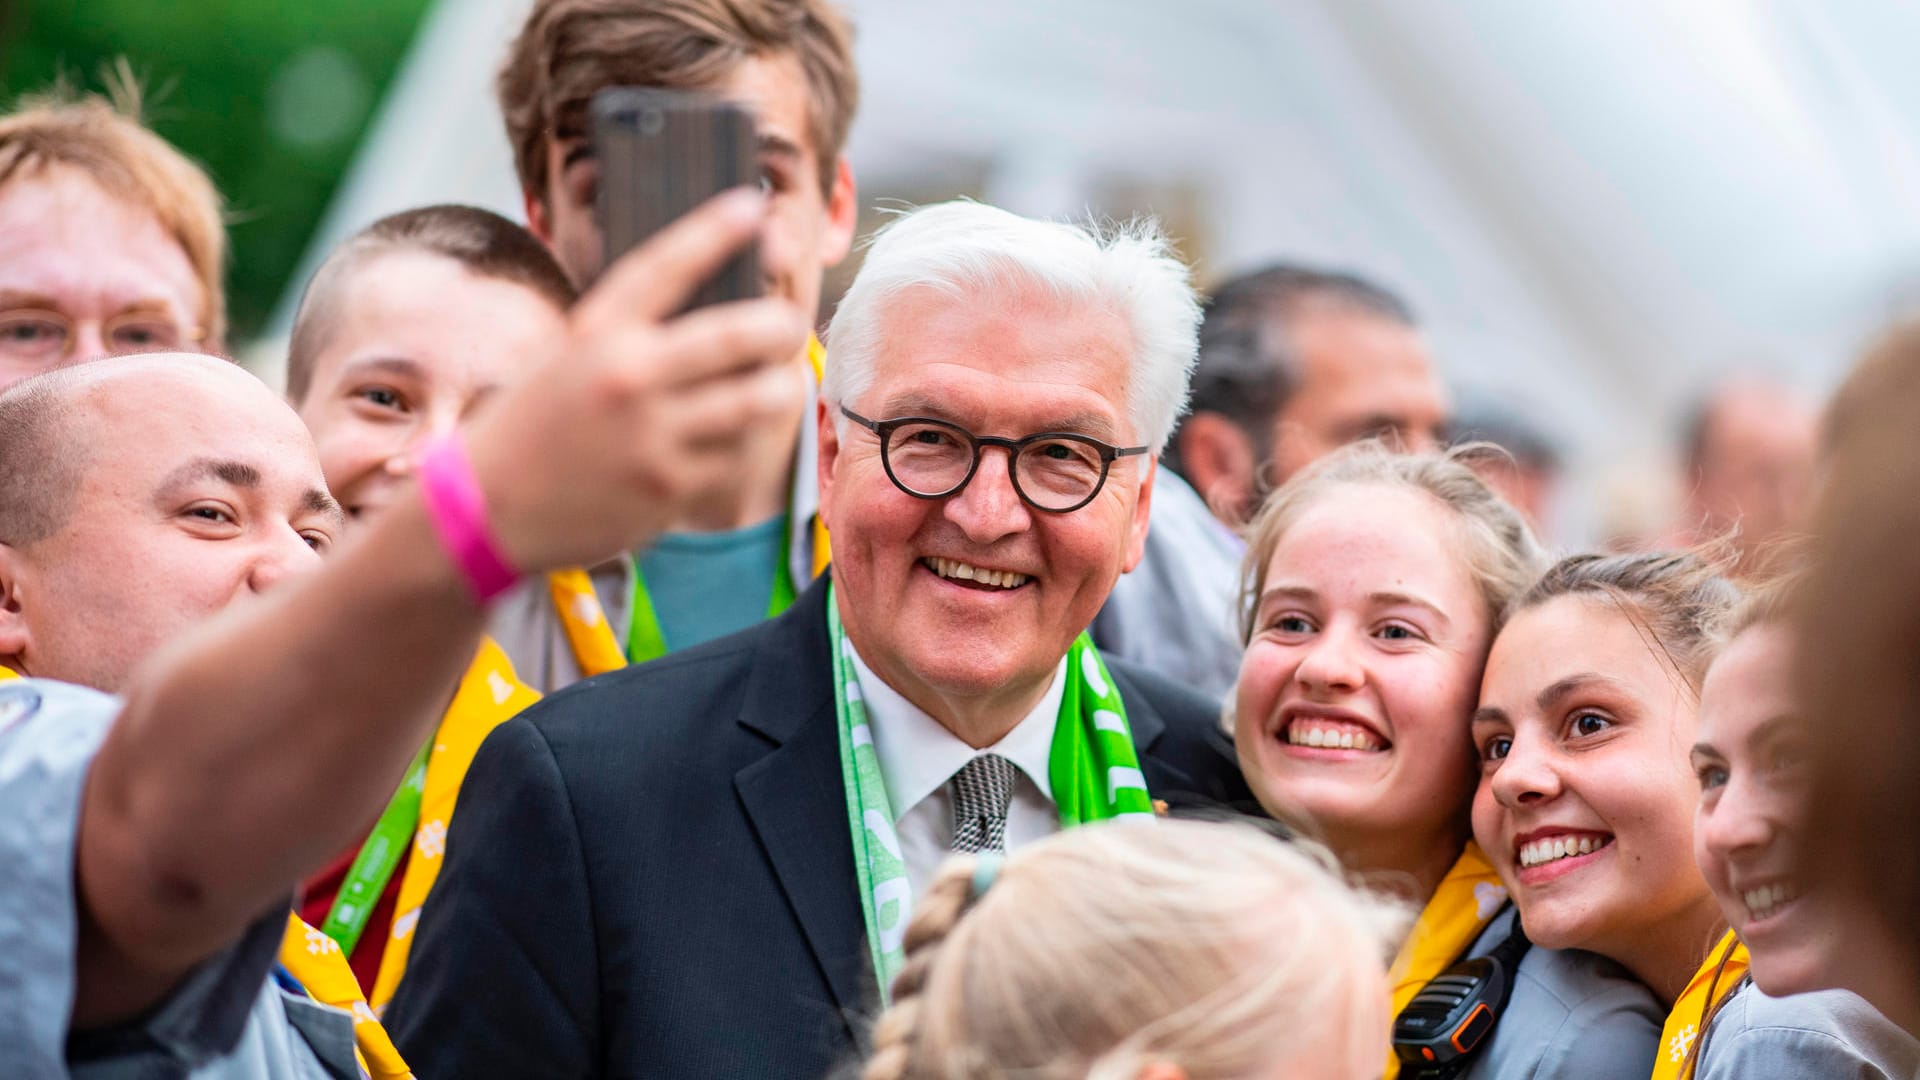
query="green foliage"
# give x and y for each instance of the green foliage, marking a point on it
(271, 96)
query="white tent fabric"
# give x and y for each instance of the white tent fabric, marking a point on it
(1592, 207)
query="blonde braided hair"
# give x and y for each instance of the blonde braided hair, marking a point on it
(1110, 947)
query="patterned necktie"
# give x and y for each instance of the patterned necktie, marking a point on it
(982, 790)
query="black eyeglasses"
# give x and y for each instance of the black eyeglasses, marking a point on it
(1054, 471)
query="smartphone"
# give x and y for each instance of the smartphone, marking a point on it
(659, 154)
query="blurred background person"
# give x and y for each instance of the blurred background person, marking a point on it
(1748, 449)
(1530, 472)
(111, 241)
(1294, 363)
(1165, 950)
(404, 334)
(1857, 627)
(790, 63)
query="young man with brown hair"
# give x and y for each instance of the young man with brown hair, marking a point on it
(111, 241)
(790, 63)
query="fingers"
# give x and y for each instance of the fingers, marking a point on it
(721, 413)
(713, 341)
(654, 280)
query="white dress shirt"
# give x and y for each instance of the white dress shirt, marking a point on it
(918, 755)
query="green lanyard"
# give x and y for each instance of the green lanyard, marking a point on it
(1092, 766)
(646, 640)
(378, 858)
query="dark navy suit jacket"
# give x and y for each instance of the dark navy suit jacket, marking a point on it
(651, 873)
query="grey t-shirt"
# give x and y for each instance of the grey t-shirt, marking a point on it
(1830, 1034)
(226, 1021)
(1573, 1015)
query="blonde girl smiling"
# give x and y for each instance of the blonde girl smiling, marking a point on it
(1375, 585)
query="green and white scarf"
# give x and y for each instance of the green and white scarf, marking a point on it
(1092, 767)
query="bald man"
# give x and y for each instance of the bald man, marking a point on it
(1750, 447)
(151, 842)
(196, 486)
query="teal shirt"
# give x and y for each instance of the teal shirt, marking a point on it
(709, 585)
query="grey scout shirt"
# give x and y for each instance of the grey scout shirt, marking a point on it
(1573, 1016)
(226, 1021)
(1830, 1034)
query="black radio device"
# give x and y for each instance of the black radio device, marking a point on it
(1437, 1035)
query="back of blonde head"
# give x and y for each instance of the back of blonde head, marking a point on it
(1111, 947)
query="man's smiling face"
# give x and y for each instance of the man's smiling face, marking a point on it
(1009, 365)
(202, 488)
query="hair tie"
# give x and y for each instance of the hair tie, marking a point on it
(986, 869)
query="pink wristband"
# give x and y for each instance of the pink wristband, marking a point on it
(459, 513)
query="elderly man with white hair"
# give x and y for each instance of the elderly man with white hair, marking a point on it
(704, 866)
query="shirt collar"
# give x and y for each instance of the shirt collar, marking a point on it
(918, 755)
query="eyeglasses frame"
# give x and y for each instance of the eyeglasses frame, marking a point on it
(884, 429)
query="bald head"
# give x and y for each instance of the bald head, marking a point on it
(54, 426)
(138, 496)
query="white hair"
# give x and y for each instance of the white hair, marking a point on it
(963, 248)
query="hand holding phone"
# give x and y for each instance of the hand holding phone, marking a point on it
(661, 153)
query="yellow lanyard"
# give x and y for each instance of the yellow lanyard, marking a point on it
(822, 551)
(316, 962)
(1687, 1020)
(596, 650)
(489, 695)
(589, 634)
(1466, 900)
(8, 673)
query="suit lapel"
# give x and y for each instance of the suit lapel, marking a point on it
(795, 798)
(1148, 726)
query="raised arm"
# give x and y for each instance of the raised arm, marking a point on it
(254, 749)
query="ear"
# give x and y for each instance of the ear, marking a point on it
(1219, 462)
(843, 213)
(14, 635)
(824, 459)
(1137, 528)
(539, 222)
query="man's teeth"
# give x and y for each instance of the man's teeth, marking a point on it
(1329, 736)
(959, 571)
(1766, 899)
(1541, 852)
